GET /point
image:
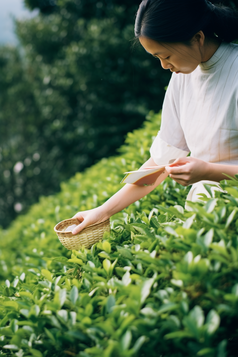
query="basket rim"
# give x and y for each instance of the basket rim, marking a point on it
(107, 221)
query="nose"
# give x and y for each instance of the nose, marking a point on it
(165, 64)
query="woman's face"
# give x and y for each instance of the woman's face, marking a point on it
(177, 57)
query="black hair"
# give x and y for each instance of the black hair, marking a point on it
(180, 20)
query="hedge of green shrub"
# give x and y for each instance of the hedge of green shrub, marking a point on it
(162, 283)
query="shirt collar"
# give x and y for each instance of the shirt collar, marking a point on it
(216, 58)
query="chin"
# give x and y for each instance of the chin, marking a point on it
(188, 70)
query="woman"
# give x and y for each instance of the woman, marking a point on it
(200, 110)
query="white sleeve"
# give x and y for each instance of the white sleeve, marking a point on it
(170, 142)
(162, 153)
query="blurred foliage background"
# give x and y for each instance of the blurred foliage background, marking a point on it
(69, 94)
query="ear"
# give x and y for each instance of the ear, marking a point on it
(199, 38)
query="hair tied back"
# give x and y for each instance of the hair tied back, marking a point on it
(211, 6)
(180, 20)
(224, 22)
(140, 14)
(145, 4)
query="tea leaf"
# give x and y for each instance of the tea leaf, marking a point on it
(74, 294)
(212, 322)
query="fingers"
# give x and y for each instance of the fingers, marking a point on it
(183, 179)
(79, 216)
(179, 161)
(182, 182)
(79, 227)
(181, 173)
(178, 169)
(186, 171)
(87, 218)
(82, 224)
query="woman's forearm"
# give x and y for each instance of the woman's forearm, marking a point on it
(218, 172)
(130, 193)
(123, 198)
(189, 170)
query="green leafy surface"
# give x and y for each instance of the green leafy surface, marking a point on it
(163, 282)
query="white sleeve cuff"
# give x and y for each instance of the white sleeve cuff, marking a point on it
(163, 153)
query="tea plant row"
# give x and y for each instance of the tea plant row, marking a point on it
(163, 282)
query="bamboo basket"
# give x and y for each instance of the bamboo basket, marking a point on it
(86, 238)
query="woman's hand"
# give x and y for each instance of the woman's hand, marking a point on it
(188, 170)
(120, 200)
(86, 218)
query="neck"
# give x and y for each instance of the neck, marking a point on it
(210, 47)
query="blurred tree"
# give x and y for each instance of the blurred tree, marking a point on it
(82, 84)
(16, 128)
(45, 6)
(22, 173)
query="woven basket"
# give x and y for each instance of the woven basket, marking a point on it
(86, 238)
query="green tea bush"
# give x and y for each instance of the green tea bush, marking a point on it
(163, 282)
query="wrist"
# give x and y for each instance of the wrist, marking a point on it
(104, 212)
(208, 171)
(212, 172)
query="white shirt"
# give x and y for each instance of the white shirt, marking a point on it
(200, 112)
